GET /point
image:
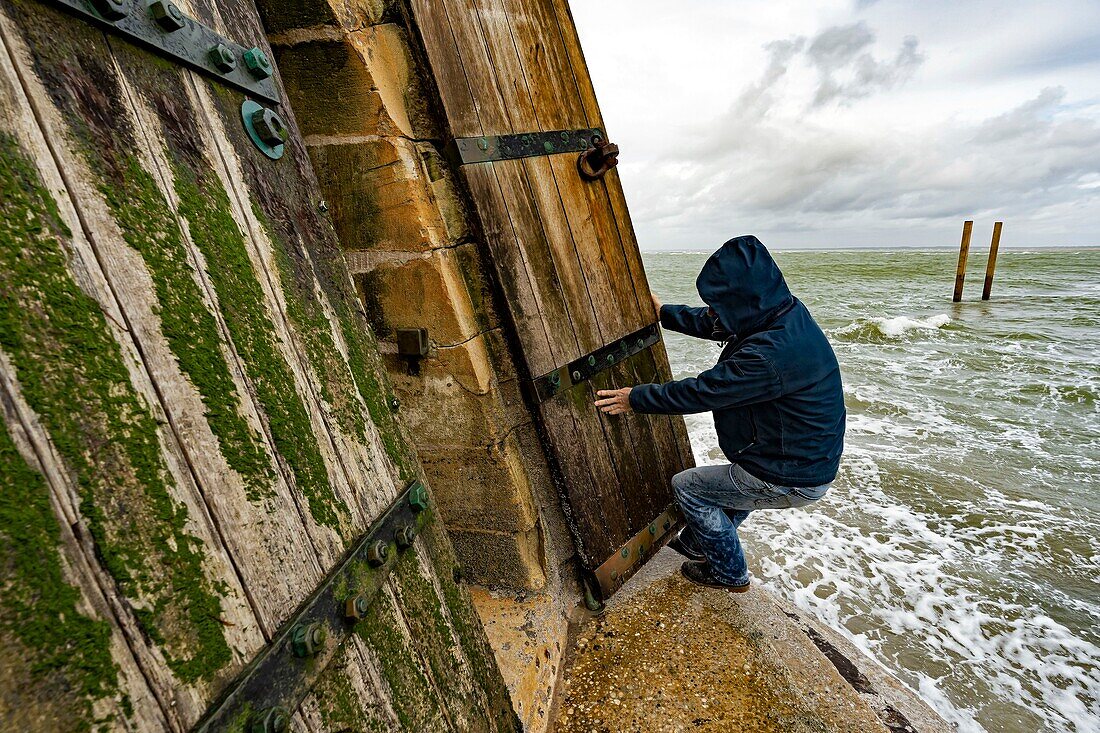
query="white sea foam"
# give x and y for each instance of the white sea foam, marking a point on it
(890, 328)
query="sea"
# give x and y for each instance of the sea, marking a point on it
(960, 543)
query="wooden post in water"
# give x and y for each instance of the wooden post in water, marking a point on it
(991, 263)
(964, 250)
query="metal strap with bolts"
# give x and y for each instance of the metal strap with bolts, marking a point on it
(281, 675)
(582, 369)
(466, 150)
(162, 27)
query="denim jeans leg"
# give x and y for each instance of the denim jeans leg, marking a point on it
(705, 494)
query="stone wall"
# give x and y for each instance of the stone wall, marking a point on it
(366, 107)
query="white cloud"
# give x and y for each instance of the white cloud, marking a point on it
(841, 124)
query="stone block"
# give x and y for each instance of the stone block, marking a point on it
(379, 195)
(425, 291)
(481, 488)
(500, 560)
(332, 90)
(399, 81)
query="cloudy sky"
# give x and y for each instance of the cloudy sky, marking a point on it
(851, 122)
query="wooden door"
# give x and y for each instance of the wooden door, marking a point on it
(568, 263)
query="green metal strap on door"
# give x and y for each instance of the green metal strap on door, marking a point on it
(589, 365)
(466, 150)
(161, 27)
(274, 684)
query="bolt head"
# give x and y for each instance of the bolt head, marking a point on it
(112, 9)
(405, 536)
(640, 343)
(576, 376)
(377, 553)
(356, 608)
(307, 639)
(591, 361)
(653, 529)
(257, 63)
(483, 143)
(322, 206)
(167, 15)
(418, 498)
(395, 404)
(626, 552)
(223, 58)
(272, 720)
(548, 146)
(269, 127)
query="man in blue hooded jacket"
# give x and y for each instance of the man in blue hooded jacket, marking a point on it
(777, 401)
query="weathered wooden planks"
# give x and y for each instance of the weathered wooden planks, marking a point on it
(564, 250)
(186, 370)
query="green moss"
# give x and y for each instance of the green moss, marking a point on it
(72, 373)
(471, 635)
(215, 232)
(411, 694)
(342, 708)
(39, 607)
(190, 328)
(432, 634)
(308, 315)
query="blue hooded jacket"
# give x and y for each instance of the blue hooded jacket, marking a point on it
(775, 392)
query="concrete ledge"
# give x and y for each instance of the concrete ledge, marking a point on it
(670, 656)
(499, 559)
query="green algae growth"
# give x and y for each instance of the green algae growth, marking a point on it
(72, 373)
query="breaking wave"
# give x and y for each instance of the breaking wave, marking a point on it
(872, 330)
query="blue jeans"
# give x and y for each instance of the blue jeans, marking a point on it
(716, 499)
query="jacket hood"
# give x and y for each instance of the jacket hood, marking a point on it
(743, 285)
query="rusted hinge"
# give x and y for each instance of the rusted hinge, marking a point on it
(466, 150)
(162, 27)
(277, 680)
(625, 562)
(589, 365)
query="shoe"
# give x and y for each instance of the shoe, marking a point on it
(678, 544)
(699, 573)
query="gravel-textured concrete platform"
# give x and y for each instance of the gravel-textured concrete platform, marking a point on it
(670, 656)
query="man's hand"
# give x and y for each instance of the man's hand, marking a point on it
(656, 304)
(616, 401)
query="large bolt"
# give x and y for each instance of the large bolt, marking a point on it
(269, 127)
(167, 15)
(257, 63)
(272, 720)
(111, 9)
(405, 536)
(222, 57)
(377, 553)
(307, 639)
(418, 498)
(355, 608)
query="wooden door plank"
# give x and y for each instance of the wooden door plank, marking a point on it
(549, 77)
(134, 500)
(504, 63)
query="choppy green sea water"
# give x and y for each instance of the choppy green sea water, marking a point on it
(960, 545)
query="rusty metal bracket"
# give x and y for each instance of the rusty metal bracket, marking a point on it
(616, 569)
(589, 365)
(466, 150)
(281, 675)
(161, 27)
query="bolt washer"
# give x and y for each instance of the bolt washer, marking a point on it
(248, 109)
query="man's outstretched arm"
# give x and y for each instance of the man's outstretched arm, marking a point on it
(730, 383)
(684, 319)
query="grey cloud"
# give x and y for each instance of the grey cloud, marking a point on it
(847, 71)
(785, 171)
